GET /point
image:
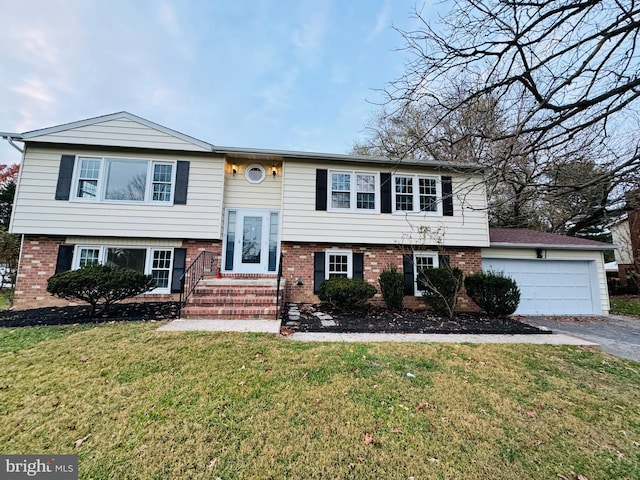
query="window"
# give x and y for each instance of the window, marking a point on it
(156, 262)
(126, 180)
(353, 191)
(255, 173)
(422, 261)
(417, 194)
(338, 264)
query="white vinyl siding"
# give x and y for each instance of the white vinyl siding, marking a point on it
(37, 212)
(120, 133)
(594, 257)
(301, 222)
(240, 193)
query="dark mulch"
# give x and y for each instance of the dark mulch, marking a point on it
(408, 321)
(70, 315)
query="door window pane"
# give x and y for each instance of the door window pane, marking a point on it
(273, 242)
(231, 239)
(251, 239)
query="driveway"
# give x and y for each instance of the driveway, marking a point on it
(615, 334)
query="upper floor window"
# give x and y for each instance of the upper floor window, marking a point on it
(124, 180)
(417, 194)
(354, 191)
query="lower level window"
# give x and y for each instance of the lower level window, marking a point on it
(156, 262)
(338, 263)
(423, 261)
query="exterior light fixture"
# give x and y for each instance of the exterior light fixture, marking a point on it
(274, 170)
(234, 169)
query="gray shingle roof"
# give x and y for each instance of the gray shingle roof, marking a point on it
(523, 237)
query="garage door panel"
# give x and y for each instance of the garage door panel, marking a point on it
(550, 287)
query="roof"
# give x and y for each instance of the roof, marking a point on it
(239, 151)
(524, 238)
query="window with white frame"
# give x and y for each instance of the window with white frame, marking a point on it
(417, 194)
(338, 263)
(153, 261)
(353, 191)
(129, 180)
(423, 261)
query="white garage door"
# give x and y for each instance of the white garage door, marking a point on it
(551, 287)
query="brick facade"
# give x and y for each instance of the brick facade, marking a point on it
(38, 263)
(298, 268)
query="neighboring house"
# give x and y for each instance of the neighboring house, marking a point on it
(627, 244)
(125, 190)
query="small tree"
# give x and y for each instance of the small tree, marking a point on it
(494, 292)
(99, 285)
(347, 294)
(440, 287)
(391, 283)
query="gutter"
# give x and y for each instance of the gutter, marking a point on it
(546, 246)
(9, 137)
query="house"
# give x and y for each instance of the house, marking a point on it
(122, 189)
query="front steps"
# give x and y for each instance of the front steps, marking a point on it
(234, 299)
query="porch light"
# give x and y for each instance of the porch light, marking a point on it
(274, 170)
(234, 169)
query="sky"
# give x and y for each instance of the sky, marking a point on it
(272, 74)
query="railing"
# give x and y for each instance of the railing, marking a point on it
(278, 287)
(203, 265)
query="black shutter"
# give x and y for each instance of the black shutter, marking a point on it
(318, 271)
(65, 257)
(444, 261)
(358, 265)
(321, 189)
(182, 182)
(447, 197)
(179, 263)
(385, 193)
(409, 282)
(65, 175)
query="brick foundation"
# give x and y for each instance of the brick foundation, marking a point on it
(38, 263)
(298, 265)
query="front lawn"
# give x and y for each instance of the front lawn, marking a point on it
(136, 403)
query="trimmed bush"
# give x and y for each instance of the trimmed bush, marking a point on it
(347, 295)
(493, 292)
(99, 285)
(391, 283)
(440, 287)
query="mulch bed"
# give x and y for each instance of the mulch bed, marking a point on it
(408, 321)
(122, 312)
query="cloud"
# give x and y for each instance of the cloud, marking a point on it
(277, 95)
(383, 21)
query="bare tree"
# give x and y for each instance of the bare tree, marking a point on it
(563, 76)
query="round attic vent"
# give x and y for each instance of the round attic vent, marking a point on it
(255, 173)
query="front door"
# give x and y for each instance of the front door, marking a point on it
(251, 241)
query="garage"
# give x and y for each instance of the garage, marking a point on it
(551, 287)
(556, 274)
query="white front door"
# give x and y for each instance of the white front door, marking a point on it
(251, 241)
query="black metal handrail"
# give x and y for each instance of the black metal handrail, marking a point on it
(203, 265)
(278, 287)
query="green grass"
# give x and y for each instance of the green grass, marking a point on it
(626, 306)
(154, 405)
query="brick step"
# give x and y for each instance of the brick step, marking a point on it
(246, 300)
(226, 291)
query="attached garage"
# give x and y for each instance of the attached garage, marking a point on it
(557, 275)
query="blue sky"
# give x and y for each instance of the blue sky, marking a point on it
(275, 74)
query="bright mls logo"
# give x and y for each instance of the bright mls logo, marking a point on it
(51, 467)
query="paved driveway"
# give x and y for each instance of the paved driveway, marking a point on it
(615, 334)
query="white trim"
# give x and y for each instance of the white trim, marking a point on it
(353, 191)
(102, 180)
(416, 194)
(337, 251)
(436, 264)
(255, 166)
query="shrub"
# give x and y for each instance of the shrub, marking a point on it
(99, 285)
(347, 294)
(391, 283)
(440, 287)
(494, 292)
